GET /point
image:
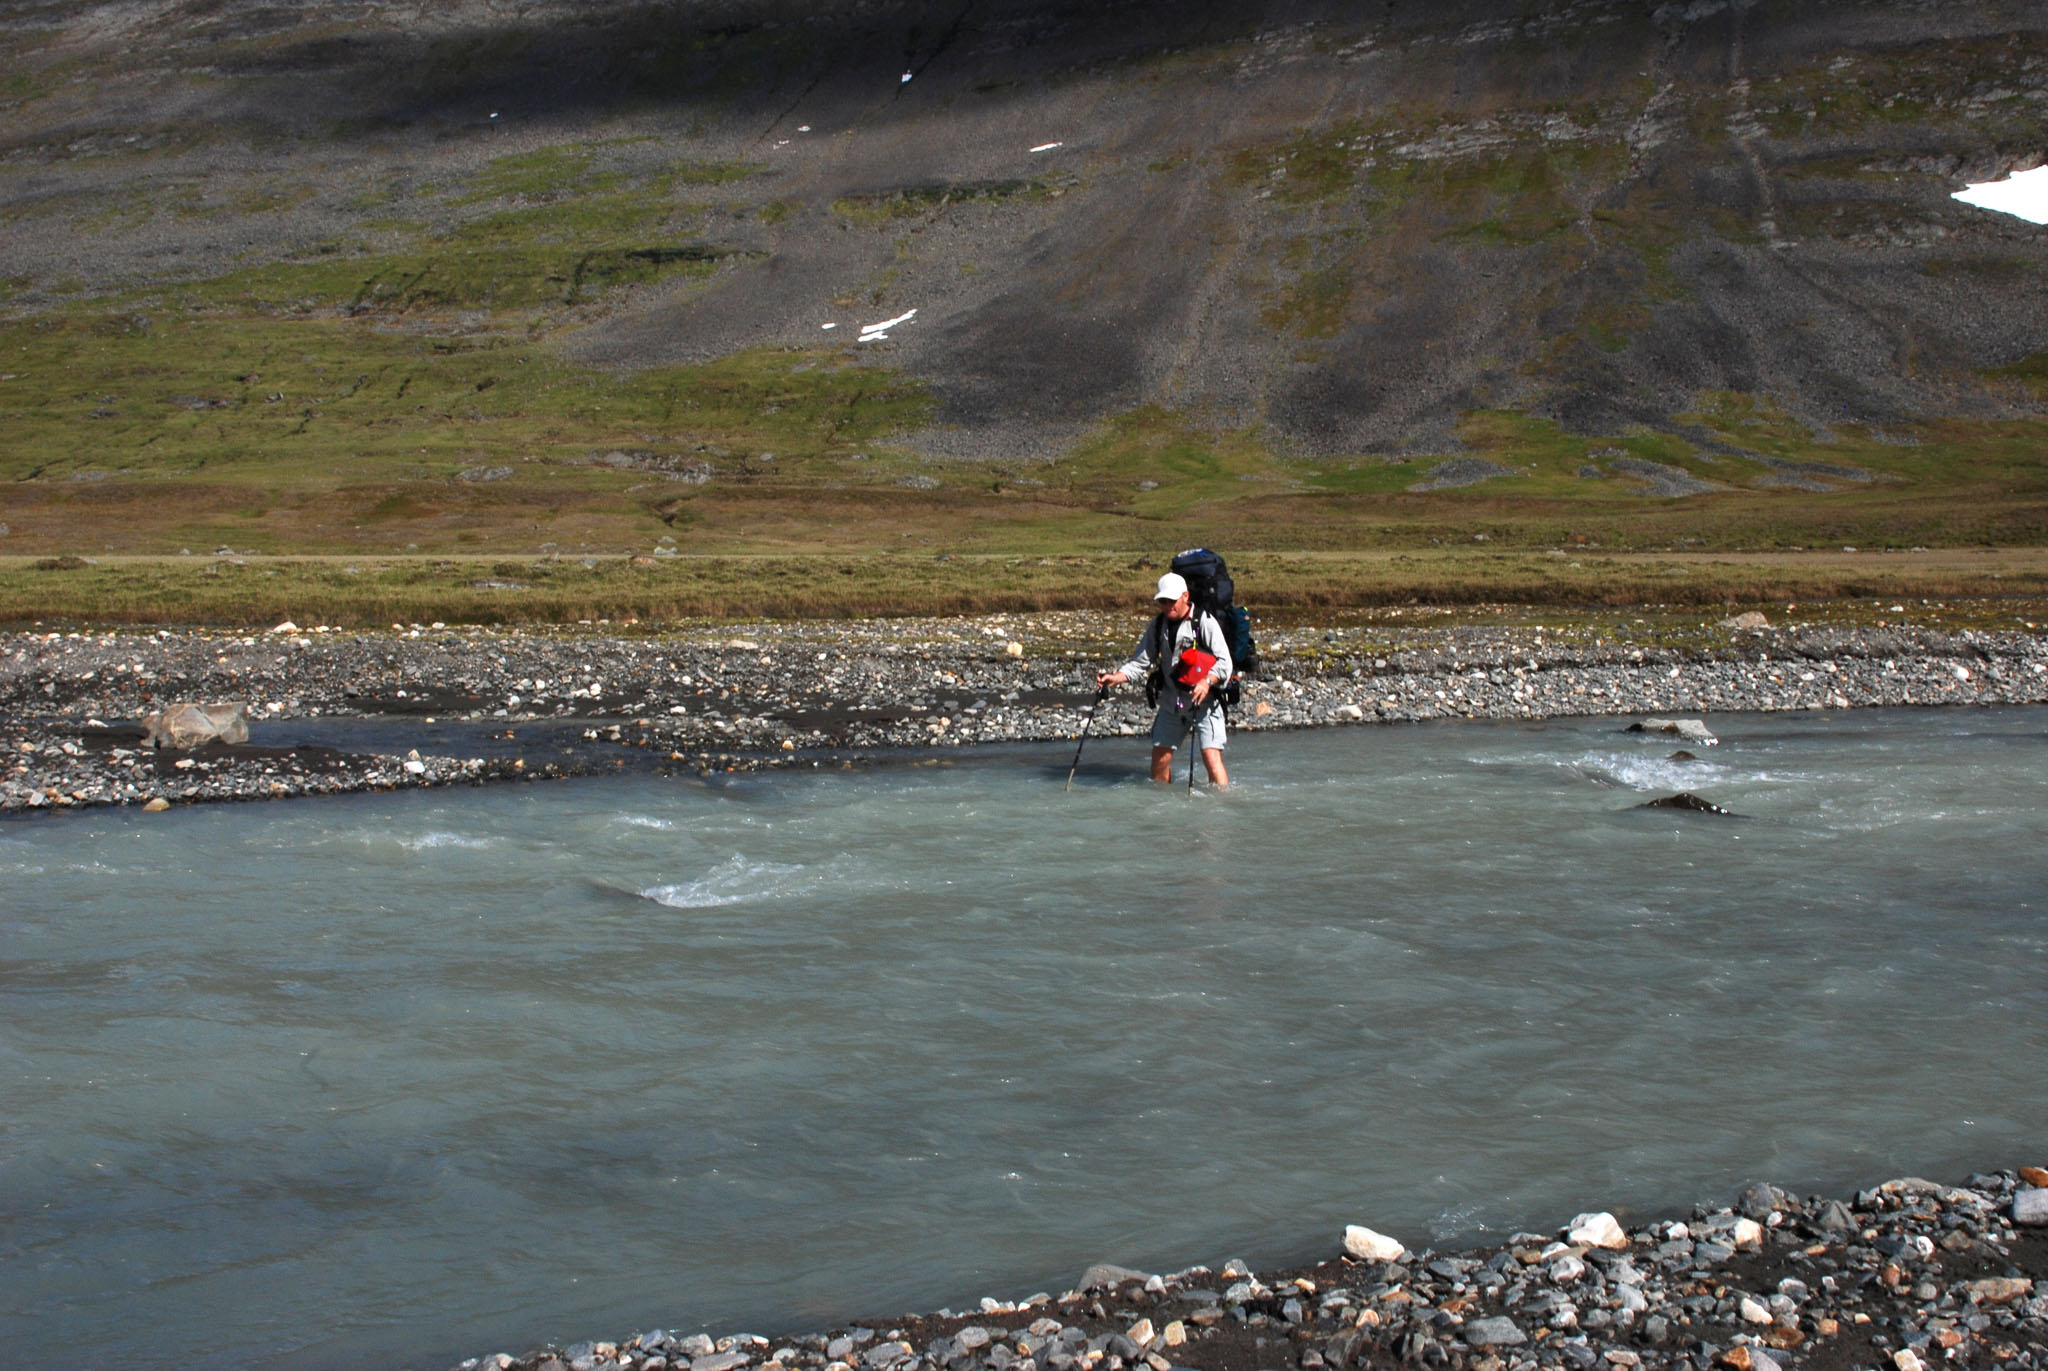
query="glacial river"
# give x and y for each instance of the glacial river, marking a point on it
(396, 1080)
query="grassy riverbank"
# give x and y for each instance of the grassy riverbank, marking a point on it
(2006, 585)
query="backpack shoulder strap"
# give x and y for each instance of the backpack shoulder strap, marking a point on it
(1155, 675)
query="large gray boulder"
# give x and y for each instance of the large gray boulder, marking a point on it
(186, 726)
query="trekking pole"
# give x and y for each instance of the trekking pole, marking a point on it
(1101, 694)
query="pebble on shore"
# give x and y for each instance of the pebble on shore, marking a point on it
(1906, 1274)
(709, 700)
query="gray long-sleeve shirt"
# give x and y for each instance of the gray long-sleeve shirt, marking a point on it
(1180, 633)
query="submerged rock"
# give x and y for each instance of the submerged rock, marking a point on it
(1685, 799)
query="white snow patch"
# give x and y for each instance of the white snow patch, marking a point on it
(870, 333)
(1048, 147)
(2023, 194)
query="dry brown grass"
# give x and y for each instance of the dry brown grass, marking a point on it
(257, 590)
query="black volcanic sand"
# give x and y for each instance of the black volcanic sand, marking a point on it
(1908, 1275)
(336, 712)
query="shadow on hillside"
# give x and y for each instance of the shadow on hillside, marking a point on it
(743, 61)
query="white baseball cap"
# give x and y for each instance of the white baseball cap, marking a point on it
(1171, 586)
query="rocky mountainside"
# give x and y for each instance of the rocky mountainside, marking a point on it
(1344, 226)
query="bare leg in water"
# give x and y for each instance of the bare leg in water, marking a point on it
(1212, 758)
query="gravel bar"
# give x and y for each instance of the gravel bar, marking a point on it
(471, 705)
(1907, 1276)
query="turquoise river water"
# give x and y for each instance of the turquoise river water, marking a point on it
(395, 1080)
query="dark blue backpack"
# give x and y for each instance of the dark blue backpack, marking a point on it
(1211, 591)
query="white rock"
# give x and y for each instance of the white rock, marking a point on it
(1692, 730)
(1014, 649)
(1597, 1230)
(1752, 1312)
(1348, 713)
(1566, 1269)
(2030, 1207)
(1748, 1232)
(286, 627)
(184, 726)
(1905, 1359)
(1366, 1245)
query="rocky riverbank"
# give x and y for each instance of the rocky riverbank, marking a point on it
(1907, 1276)
(468, 705)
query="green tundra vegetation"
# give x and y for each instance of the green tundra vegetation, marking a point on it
(382, 421)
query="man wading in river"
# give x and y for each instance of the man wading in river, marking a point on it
(1188, 655)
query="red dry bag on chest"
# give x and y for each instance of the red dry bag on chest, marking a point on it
(1193, 667)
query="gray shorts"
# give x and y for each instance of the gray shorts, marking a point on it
(1175, 718)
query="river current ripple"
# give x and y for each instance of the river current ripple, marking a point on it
(396, 1080)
